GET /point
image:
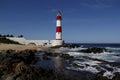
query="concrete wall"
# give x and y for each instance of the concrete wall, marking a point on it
(57, 42)
(37, 42)
(20, 40)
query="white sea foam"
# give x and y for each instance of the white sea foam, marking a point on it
(72, 68)
(91, 69)
(71, 49)
(108, 74)
(73, 53)
(110, 57)
(84, 64)
(94, 67)
(90, 62)
(111, 48)
(87, 66)
(79, 63)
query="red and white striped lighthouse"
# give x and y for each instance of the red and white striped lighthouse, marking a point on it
(58, 26)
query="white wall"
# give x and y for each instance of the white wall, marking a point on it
(37, 42)
(20, 40)
(57, 42)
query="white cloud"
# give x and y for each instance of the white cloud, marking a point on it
(97, 3)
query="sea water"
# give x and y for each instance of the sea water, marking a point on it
(95, 63)
(85, 65)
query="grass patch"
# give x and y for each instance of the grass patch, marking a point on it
(7, 41)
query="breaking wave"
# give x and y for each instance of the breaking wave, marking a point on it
(112, 48)
(94, 67)
(95, 63)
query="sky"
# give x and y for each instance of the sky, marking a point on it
(84, 21)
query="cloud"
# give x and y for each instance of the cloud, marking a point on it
(97, 3)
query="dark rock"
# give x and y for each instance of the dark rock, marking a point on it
(10, 77)
(93, 50)
(71, 45)
(16, 66)
(99, 76)
(117, 76)
(10, 51)
(51, 54)
(66, 56)
(45, 57)
(10, 56)
(27, 56)
(22, 68)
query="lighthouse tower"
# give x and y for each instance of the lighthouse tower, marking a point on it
(58, 40)
(58, 26)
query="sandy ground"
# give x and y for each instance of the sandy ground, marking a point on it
(30, 47)
(18, 47)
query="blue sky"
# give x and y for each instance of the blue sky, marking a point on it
(84, 21)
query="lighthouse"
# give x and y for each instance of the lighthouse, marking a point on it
(58, 26)
(58, 40)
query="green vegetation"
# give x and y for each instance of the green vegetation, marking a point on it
(10, 35)
(7, 41)
(20, 36)
(3, 39)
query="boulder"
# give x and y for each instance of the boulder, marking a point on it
(22, 68)
(10, 76)
(93, 50)
(71, 45)
(66, 56)
(45, 57)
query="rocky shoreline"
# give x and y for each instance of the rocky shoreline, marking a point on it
(16, 66)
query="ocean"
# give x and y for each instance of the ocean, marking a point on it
(103, 45)
(85, 66)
